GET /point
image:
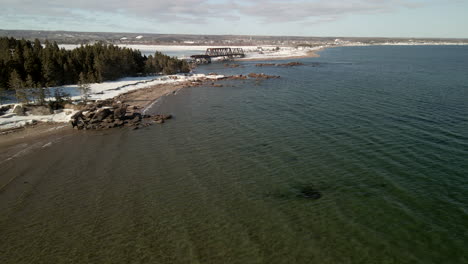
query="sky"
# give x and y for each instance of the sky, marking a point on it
(350, 18)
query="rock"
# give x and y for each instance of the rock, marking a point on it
(290, 64)
(102, 113)
(119, 112)
(19, 110)
(4, 109)
(264, 64)
(237, 77)
(118, 123)
(309, 193)
(262, 76)
(89, 115)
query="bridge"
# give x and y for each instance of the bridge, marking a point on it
(228, 53)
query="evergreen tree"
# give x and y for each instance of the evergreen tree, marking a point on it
(84, 86)
(15, 83)
(51, 66)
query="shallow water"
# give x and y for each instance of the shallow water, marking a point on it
(380, 132)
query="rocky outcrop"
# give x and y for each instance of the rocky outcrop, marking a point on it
(236, 77)
(289, 64)
(265, 65)
(259, 76)
(100, 116)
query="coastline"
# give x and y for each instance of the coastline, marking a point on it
(132, 92)
(16, 141)
(309, 54)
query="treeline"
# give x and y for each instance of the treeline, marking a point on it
(26, 64)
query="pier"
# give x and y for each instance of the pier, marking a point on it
(227, 53)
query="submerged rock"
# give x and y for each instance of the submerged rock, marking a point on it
(309, 193)
(262, 76)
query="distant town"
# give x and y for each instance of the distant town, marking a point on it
(69, 37)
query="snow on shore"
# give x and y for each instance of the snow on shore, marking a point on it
(99, 91)
(12, 120)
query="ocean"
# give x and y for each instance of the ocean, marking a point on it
(358, 156)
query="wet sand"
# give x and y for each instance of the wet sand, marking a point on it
(146, 96)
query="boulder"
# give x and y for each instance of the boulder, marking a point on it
(89, 115)
(4, 109)
(119, 112)
(19, 110)
(101, 114)
(165, 117)
(118, 123)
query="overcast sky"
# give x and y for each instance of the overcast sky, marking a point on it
(379, 18)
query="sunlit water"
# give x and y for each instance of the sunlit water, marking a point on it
(380, 132)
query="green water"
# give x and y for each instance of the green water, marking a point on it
(380, 132)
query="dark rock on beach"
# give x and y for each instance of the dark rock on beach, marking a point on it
(106, 115)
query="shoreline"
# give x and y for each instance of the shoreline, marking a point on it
(309, 54)
(14, 139)
(17, 141)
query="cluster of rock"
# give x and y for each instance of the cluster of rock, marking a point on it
(259, 76)
(252, 75)
(236, 77)
(289, 64)
(98, 116)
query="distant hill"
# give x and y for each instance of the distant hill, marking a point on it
(69, 37)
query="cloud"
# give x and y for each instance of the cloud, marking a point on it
(201, 11)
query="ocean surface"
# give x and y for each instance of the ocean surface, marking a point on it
(359, 156)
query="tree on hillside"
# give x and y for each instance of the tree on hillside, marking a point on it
(84, 86)
(49, 65)
(15, 83)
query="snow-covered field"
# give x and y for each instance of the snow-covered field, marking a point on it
(99, 91)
